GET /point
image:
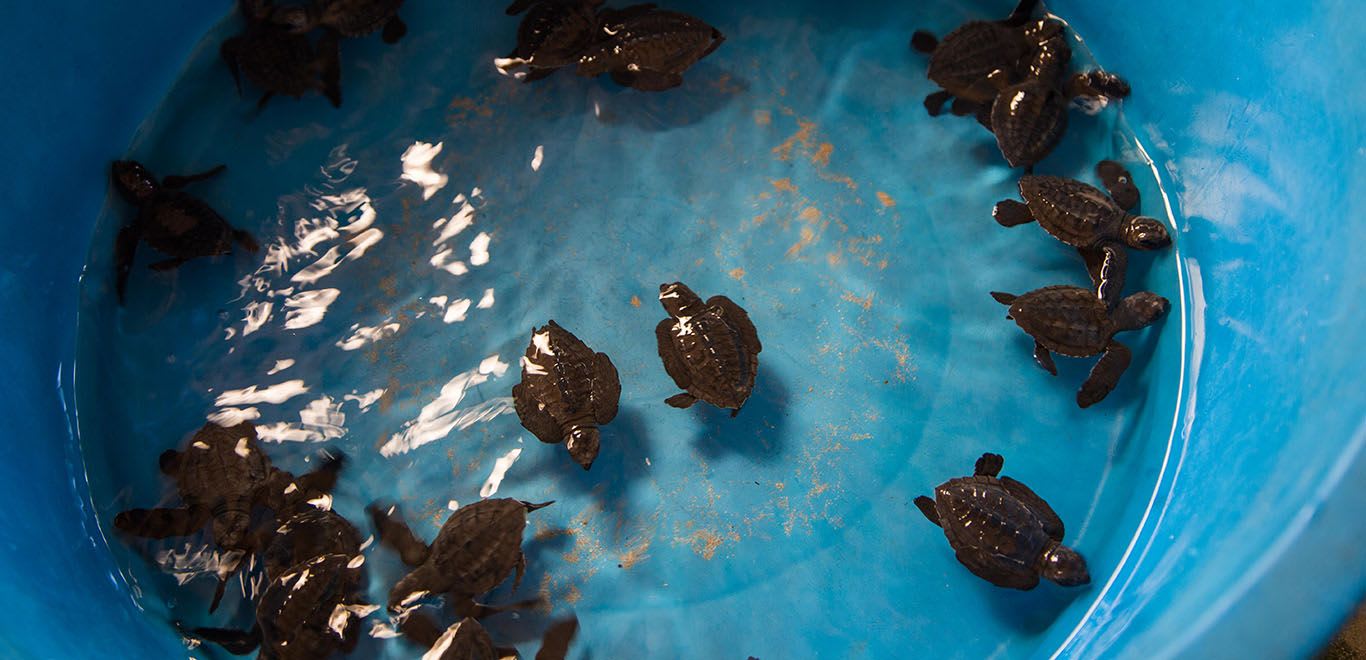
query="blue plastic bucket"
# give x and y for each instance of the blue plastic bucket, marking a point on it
(1250, 544)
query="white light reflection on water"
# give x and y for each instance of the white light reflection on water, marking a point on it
(438, 418)
(417, 167)
(500, 470)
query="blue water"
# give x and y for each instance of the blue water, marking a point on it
(795, 172)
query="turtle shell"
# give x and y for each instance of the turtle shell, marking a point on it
(222, 464)
(182, 225)
(464, 640)
(966, 56)
(713, 352)
(564, 384)
(641, 37)
(274, 59)
(554, 34)
(304, 612)
(1075, 213)
(1065, 319)
(310, 533)
(998, 537)
(357, 18)
(475, 551)
(1029, 120)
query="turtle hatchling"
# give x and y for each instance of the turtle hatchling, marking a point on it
(566, 392)
(468, 640)
(647, 48)
(1002, 531)
(349, 18)
(961, 62)
(711, 349)
(1072, 321)
(278, 60)
(552, 35)
(1099, 225)
(308, 533)
(172, 221)
(475, 551)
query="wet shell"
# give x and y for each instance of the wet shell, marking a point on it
(476, 550)
(298, 613)
(357, 18)
(222, 464)
(310, 533)
(465, 640)
(1075, 213)
(966, 56)
(1065, 319)
(710, 349)
(660, 41)
(181, 225)
(992, 532)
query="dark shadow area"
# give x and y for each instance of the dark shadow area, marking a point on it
(706, 89)
(1033, 611)
(620, 463)
(757, 433)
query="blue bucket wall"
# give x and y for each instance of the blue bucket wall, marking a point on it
(1251, 542)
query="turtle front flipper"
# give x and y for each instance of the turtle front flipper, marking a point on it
(926, 506)
(606, 392)
(175, 181)
(162, 523)
(988, 465)
(1105, 375)
(125, 249)
(236, 642)
(1052, 524)
(555, 643)
(394, 532)
(1119, 183)
(924, 42)
(934, 103)
(324, 478)
(1044, 358)
(668, 353)
(1098, 83)
(1009, 213)
(1106, 265)
(394, 30)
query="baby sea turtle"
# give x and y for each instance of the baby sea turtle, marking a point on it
(648, 48)
(349, 18)
(1029, 116)
(961, 62)
(1072, 321)
(172, 221)
(475, 551)
(711, 349)
(221, 477)
(280, 61)
(1084, 217)
(468, 640)
(308, 533)
(566, 392)
(1002, 531)
(305, 613)
(553, 34)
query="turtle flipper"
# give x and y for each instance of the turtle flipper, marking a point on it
(988, 465)
(236, 642)
(394, 30)
(1020, 15)
(606, 392)
(683, 400)
(737, 315)
(1044, 358)
(934, 103)
(246, 240)
(1009, 213)
(1119, 183)
(125, 249)
(926, 506)
(180, 181)
(669, 354)
(534, 418)
(1003, 298)
(1052, 524)
(161, 523)
(555, 643)
(421, 628)
(1097, 83)
(1107, 265)
(393, 531)
(1105, 375)
(924, 42)
(168, 264)
(324, 478)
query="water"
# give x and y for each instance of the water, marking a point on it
(796, 172)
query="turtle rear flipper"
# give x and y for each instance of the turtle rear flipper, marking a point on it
(555, 643)
(926, 506)
(606, 392)
(394, 532)
(236, 642)
(161, 523)
(1119, 183)
(1105, 375)
(1052, 524)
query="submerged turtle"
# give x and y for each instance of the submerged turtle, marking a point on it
(468, 640)
(349, 18)
(305, 613)
(711, 349)
(475, 551)
(308, 533)
(1002, 531)
(1072, 321)
(278, 60)
(221, 477)
(173, 222)
(1084, 217)
(1029, 116)
(648, 48)
(566, 392)
(553, 34)
(961, 62)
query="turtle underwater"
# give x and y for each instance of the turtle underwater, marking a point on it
(477, 548)
(305, 613)
(278, 60)
(170, 220)
(566, 392)
(711, 350)
(221, 477)
(1098, 224)
(308, 533)
(1072, 321)
(349, 18)
(468, 640)
(1001, 531)
(647, 48)
(553, 34)
(960, 63)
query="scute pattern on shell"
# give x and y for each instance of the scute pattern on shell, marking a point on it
(980, 518)
(1066, 319)
(1076, 213)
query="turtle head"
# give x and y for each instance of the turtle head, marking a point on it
(1144, 233)
(678, 299)
(1139, 310)
(1064, 566)
(583, 443)
(134, 181)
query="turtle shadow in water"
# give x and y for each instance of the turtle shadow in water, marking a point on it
(706, 89)
(757, 433)
(1033, 611)
(620, 463)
